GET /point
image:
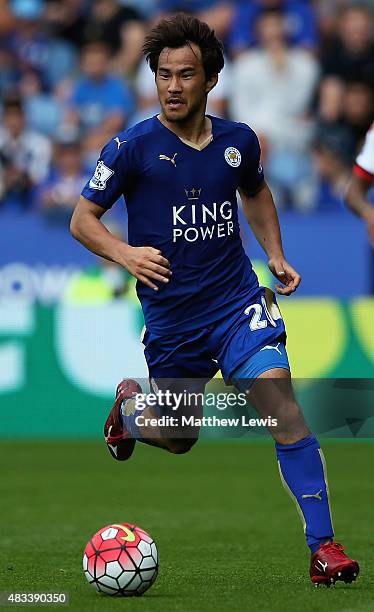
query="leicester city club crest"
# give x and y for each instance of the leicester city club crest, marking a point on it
(233, 157)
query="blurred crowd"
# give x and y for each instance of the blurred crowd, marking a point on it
(299, 72)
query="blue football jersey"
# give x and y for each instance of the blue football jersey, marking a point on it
(182, 200)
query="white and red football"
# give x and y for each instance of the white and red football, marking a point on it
(121, 559)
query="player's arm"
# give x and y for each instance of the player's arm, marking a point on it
(356, 199)
(261, 214)
(145, 263)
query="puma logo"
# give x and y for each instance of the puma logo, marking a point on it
(170, 159)
(323, 566)
(114, 449)
(316, 495)
(269, 347)
(119, 142)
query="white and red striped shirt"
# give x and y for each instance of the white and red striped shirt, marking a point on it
(364, 166)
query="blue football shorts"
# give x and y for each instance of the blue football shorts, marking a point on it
(244, 344)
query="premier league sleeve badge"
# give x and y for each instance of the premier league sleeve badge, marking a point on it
(101, 175)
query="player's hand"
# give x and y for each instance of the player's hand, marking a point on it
(286, 274)
(147, 265)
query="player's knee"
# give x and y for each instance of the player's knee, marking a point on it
(180, 446)
(291, 425)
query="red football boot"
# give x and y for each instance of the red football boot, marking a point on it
(118, 440)
(329, 564)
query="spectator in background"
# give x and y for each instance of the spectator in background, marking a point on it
(34, 48)
(7, 19)
(218, 14)
(130, 56)
(24, 155)
(345, 92)
(331, 100)
(99, 100)
(9, 71)
(333, 152)
(66, 19)
(147, 8)
(42, 109)
(105, 21)
(328, 16)
(41, 41)
(57, 195)
(300, 23)
(346, 104)
(345, 109)
(358, 109)
(272, 90)
(351, 54)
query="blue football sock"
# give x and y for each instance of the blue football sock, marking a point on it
(129, 412)
(303, 473)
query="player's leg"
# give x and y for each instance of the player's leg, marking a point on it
(301, 464)
(131, 419)
(251, 353)
(179, 368)
(264, 376)
(161, 424)
(180, 365)
(300, 458)
(119, 440)
(271, 393)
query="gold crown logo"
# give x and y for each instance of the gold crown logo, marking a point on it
(193, 194)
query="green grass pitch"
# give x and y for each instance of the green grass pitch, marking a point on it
(228, 535)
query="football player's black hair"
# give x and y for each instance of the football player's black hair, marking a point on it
(181, 30)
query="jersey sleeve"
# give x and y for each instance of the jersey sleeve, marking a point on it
(252, 171)
(364, 166)
(112, 176)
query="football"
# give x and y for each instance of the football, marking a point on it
(121, 559)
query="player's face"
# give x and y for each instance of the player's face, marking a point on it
(181, 83)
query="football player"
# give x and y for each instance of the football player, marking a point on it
(203, 307)
(361, 181)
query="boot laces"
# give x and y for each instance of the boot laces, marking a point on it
(334, 549)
